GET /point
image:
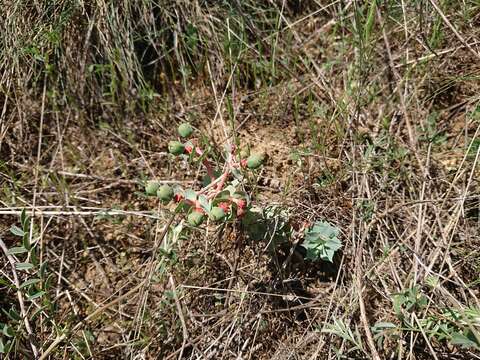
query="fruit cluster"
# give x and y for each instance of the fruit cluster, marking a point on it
(220, 198)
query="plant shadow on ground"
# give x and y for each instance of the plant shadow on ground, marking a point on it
(291, 275)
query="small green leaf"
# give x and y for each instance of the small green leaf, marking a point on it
(48, 283)
(254, 224)
(321, 241)
(8, 331)
(29, 282)
(384, 325)
(24, 219)
(43, 269)
(23, 266)
(15, 230)
(465, 340)
(34, 257)
(254, 161)
(12, 314)
(398, 301)
(36, 295)
(6, 283)
(176, 147)
(222, 196)
(26, 241)
(2, 346)
(206, 180)
(17, 250)
(204, 203)
(237, 174)
(165, 193)
(182, 206)
(190, 195)
(217, 214)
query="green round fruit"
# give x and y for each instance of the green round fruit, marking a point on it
(195, 218)
(255, 161)
(185, 130)
(217, 214)
(151, 187)
(176, 147)
(165, 193)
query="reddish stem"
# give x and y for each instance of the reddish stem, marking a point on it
(222, 181)
(210, 171)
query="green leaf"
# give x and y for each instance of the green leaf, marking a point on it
(334, 244)
(222, 196)
(432, 281)
(43, 269)
(255, 225)
(204, 203)
(327, 254)
(6, 283)
(24, 219)
(48, 283)
(237, 174)
(409, 300)
(370, 20)
(467, 340)
(26, 241)
(341, 329)
(17, 250)
(2, 346)
(473, 314)
(182, 207)
(36, 295)
(383, 325)
(321, 241)
(398, 301)
(206, 180)
(8, 331)
(23, 266)
(15, 230)
(34, 257)
(12, 314)
(190, 195)
(29, 282)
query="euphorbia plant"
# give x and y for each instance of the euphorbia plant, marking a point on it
(220, 198)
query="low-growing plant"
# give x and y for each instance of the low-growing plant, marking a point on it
(321, 241)
(453, 326)
(408, 301)
(30, 281)
(221, 197)
(270, 224)
(342, 330)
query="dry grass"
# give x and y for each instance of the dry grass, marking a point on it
(370, 114)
